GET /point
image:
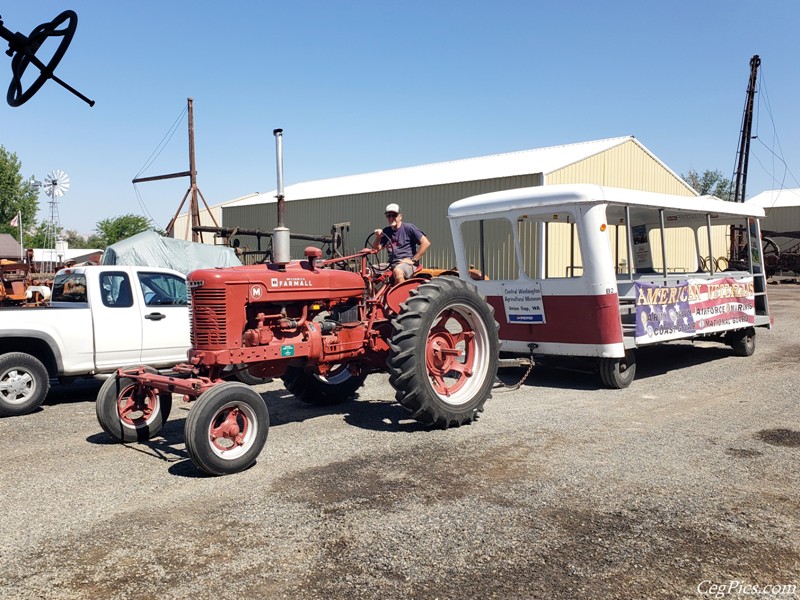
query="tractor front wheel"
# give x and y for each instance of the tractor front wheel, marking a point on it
(129, 413)
(226, 428)
(444, 353)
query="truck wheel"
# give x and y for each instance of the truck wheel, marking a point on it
(24, 383)
(444, 353)
(618, 373)
(743, 341)
(128, 416)
(226, 428)
(312, 388)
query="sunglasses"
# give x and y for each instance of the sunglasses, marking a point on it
(390, 215)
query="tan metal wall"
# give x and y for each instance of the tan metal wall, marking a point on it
(624, 166)
(425, 207)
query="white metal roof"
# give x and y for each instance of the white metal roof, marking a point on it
(776, 199)
(537, 160)
(63, 254)
(505, 201)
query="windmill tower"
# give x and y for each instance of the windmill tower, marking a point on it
(55, 186)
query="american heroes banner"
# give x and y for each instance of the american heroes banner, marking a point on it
(692, 307)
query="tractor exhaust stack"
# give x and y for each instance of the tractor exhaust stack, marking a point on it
(280, 235)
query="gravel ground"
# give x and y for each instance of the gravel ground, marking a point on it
(560, 490)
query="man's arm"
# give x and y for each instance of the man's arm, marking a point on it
(424, 244)
(376, 243)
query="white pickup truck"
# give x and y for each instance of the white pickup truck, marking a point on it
(100, 318)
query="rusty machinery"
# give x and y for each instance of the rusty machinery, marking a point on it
(322, 329)
(781, 260)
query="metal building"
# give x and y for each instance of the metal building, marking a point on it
(782, 208)
(425, 192)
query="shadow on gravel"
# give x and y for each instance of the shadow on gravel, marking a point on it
(285, 408)
(80, 390)
(373, 415)
(780, 437)
(166, 446)
(651, 361)
(383, 416)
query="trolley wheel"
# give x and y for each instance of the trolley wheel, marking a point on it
(226, 428)
(618, 373)
(742, 341)
(130, 414)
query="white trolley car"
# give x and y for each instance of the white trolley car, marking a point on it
(591, 271)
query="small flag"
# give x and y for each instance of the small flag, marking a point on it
(15, 220)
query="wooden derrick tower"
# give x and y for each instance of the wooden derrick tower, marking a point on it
(193, 192)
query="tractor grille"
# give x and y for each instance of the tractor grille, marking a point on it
(208, 318)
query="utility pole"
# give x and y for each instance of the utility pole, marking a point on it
(193, 192)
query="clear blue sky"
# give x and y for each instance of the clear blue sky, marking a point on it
(372, 85)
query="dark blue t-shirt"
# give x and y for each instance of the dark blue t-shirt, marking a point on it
(403, 241)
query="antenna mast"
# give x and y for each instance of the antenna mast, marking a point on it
(193, 192)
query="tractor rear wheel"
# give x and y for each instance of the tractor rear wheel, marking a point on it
(312, 388)
(444, 353)
(244, 376)
(226, 428)
(127, 415)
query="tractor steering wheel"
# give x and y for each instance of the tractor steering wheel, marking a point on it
(379, 261)
(26, 54)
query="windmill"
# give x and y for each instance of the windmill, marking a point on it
(55, 186)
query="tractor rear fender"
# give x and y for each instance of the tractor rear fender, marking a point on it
(399, 293)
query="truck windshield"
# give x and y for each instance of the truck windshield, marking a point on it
(69, 287)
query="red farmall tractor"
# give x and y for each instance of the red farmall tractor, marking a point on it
(322, 330)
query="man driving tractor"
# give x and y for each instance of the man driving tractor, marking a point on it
(405, 242)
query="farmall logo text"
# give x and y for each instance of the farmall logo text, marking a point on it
(291, 282)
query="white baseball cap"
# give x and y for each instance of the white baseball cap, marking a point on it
(392, 208)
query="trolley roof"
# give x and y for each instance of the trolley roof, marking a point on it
(521, 199)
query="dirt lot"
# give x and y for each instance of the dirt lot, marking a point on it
(686, 480)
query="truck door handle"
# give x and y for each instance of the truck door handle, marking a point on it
(155, 316)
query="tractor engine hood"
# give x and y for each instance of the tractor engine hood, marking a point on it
(296, 281)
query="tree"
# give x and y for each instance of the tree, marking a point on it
(16, 194)
(110, 231)
(710, 182)
(74, 239)
(36, 235)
